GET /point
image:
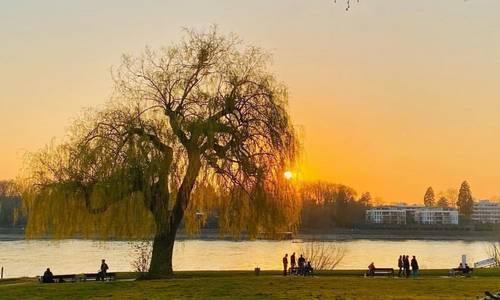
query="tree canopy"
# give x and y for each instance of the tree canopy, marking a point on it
(443, 202)
(429, 198)
(11, 213)
(328, 205)
(465, 201)
(197, 125)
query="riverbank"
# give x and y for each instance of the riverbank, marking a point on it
(11, 234)
(367, 234)
(404, 234)
(432, 284)
(7, 234)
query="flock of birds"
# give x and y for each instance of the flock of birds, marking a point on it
(348, 3)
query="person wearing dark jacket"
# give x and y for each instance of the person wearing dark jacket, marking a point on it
(302, 264)
(101, 275)
(400, 265)
(285, 264)
(406, 265)
(48, 277)
(414, 266)
(371, 270)
(308, 269)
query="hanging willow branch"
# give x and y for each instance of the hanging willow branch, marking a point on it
(198, 127)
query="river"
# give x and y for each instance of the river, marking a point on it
(31, 258)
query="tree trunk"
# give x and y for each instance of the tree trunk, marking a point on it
(163, 243)
(163, 249)
(167, 222)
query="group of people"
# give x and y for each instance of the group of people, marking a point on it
(48, 277)
(464, 268)
(404, 264)
(297, 267)
(406, 267)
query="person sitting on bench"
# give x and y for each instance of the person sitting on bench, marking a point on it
(308, 269)
(48, 277)
(101, 275)
(371, 269)
(464, 270)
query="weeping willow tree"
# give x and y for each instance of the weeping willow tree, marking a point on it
(199, 125)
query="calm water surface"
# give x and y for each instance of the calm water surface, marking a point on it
(30, 258)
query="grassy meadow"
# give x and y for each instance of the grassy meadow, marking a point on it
(432, 284)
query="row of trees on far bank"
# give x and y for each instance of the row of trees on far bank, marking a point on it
(462, 199)
(328, 205)
(10, 206)
(324, 206)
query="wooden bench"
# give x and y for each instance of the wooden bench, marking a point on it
(296, 271)
(381, 272)
(61, 278)
(110, 276)
(461, 271)
(485, 263)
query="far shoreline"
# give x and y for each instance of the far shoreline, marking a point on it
(16, 234)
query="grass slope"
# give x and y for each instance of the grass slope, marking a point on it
(432, 284)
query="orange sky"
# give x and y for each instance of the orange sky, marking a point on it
(391, 97)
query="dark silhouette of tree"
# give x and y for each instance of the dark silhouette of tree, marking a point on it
(450, 195)
(7, 188)
(429, 197)
(11, 213)
(197, 125)
(328, 205)
(465, 201)
(365, 199)
(443, 202)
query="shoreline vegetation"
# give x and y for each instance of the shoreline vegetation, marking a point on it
(7, 234)
(337, 284)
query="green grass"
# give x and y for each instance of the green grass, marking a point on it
(432, 284)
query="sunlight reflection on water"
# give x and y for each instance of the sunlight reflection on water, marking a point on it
(30, 258)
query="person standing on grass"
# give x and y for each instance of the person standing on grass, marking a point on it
(406, 265)
(400, 265)
(285, 264)
(302, 264)
(292, 263)
(414, 266)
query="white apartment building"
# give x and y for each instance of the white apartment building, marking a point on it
(436, 215)
(402, 214)
(386, 215)
(486, 211)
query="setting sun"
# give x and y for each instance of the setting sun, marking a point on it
(208, 142)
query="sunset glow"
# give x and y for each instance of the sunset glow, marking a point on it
(390, 97)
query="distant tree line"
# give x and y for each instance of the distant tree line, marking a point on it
(10, 206)
(462, 199)
(328, 205)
